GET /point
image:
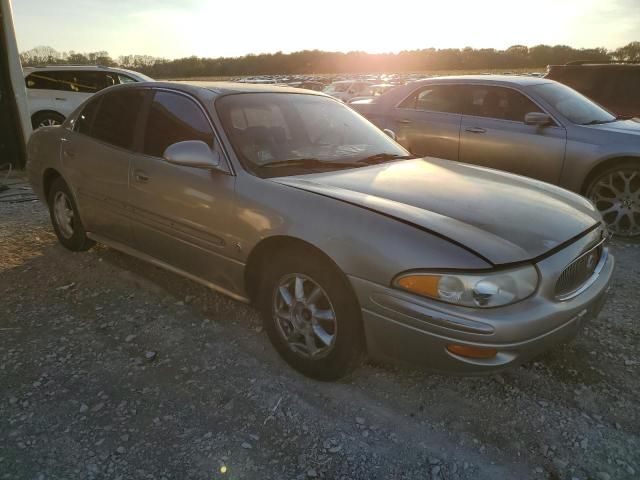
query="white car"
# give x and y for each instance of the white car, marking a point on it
(53, 92)
(345, 90)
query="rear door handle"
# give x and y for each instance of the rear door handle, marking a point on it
(61, 99)
(141, 177)
(475, 130)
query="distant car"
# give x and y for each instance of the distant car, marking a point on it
(526, 125)
(308, 85)
(346, 243)
(54, 92)
(373, 91)
(615, 86)
(345, 90)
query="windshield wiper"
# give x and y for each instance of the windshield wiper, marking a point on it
(306, 162)
(384, 157)
(599, 122)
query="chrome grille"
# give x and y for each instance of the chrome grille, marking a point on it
(579, 271)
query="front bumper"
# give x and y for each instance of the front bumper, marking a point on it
(403, 327)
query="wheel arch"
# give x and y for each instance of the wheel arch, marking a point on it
(49, 111)
(48, 177)
(605, 164)
(270, 246)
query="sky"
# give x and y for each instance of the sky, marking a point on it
(180, 28)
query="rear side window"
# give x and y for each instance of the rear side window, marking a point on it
(498, 103)
(49, 80)
(116, 119)
(435, 98)
(174, 118)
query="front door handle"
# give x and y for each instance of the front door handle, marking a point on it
(475, 130)
(405, 121)
(141, 177)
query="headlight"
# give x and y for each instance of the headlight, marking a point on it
(485, 290)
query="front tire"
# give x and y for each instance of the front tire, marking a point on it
(311, 315)
(65, 218)
(616, 194)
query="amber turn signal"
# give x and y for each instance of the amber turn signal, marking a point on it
(472, 352)
(426, 285)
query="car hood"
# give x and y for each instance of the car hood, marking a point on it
(631, 126)
(504, 218)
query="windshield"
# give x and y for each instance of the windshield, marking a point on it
(279, 134)
(574, 106)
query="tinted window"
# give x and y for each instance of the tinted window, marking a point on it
(499, 103)
(115, 121)
(84, 121)
(46, 81)
(174, 118)
(435, 98)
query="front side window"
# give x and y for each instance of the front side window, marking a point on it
(498, 103)
(277, 134)
(572, 105)
(116, 119)
(174, 118)
(84, 121)
(435, 98)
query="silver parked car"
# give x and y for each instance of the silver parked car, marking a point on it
(346, 243)
(530, 126)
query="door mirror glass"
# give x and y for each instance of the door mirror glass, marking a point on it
(390, 133)
(537, 118)
(192, 153)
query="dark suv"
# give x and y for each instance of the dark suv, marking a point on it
(615, 86)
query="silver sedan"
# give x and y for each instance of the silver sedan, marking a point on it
(525, 125)
(346, 243)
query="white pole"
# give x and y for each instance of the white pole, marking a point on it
(15, 69)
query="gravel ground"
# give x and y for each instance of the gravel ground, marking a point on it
(111, 368)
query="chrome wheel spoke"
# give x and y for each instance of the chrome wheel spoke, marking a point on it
(310, 343)
(299, 289)
(285, 294)
(617, 197)
(314, 296)
(324, 315)
(323, 336)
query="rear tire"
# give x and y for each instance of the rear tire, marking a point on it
(65, 218)
(307, 338)
(616, 194)
(46, 119)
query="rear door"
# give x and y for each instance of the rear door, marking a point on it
(97, 156)
(493, 134)
(427, 122)
(41, 88)
(181, 215)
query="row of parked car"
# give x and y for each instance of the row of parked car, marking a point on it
(523, 124)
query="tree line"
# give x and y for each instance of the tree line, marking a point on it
(317, 61)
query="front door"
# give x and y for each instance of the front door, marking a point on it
(493, 134)
(427, 123)
(181, 215)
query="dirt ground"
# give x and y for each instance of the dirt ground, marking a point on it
(114, 369)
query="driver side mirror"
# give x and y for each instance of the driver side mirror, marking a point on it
(537, 118)
(192, 153)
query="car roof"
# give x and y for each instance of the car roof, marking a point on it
(220, 89)
(521, 80)
(76, 68)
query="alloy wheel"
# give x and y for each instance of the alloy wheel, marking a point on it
(63, 213)
(48, 122)
(617, 196)
(304, 315)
